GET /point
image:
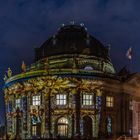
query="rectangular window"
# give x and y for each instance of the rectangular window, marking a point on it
(36, 100)
(18, 103)
(34, 132)
(61, 99)
(87, 99)
(109, 101)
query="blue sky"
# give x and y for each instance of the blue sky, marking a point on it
(26, 24)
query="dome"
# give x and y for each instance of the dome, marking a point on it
(72, 39)
(73, 47)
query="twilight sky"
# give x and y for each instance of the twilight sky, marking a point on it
(26, 24)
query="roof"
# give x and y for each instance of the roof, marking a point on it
(72, 39)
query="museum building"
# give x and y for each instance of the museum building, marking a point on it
(72, 90)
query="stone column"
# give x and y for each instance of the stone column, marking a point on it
(43, 115)
(25, 112)
(102, 126)
(18, 117)
(6, 119)
(72, 124)
(29, 123)
(125, 114)
(77, 113)
(48, 115)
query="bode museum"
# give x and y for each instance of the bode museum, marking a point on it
(72, 91)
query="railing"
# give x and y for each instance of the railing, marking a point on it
(51, 72)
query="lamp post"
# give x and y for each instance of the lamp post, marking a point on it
(18, 116)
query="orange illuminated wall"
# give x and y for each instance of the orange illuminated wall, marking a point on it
(136, 119)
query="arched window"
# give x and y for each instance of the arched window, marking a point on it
(109, 126)
(62, 127)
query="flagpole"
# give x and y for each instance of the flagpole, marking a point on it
(129, 61)
(130, 64)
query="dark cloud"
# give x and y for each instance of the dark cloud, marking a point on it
(25, 24)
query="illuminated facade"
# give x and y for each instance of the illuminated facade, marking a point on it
(71, 90)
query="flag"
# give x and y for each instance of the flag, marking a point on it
(129, 53)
